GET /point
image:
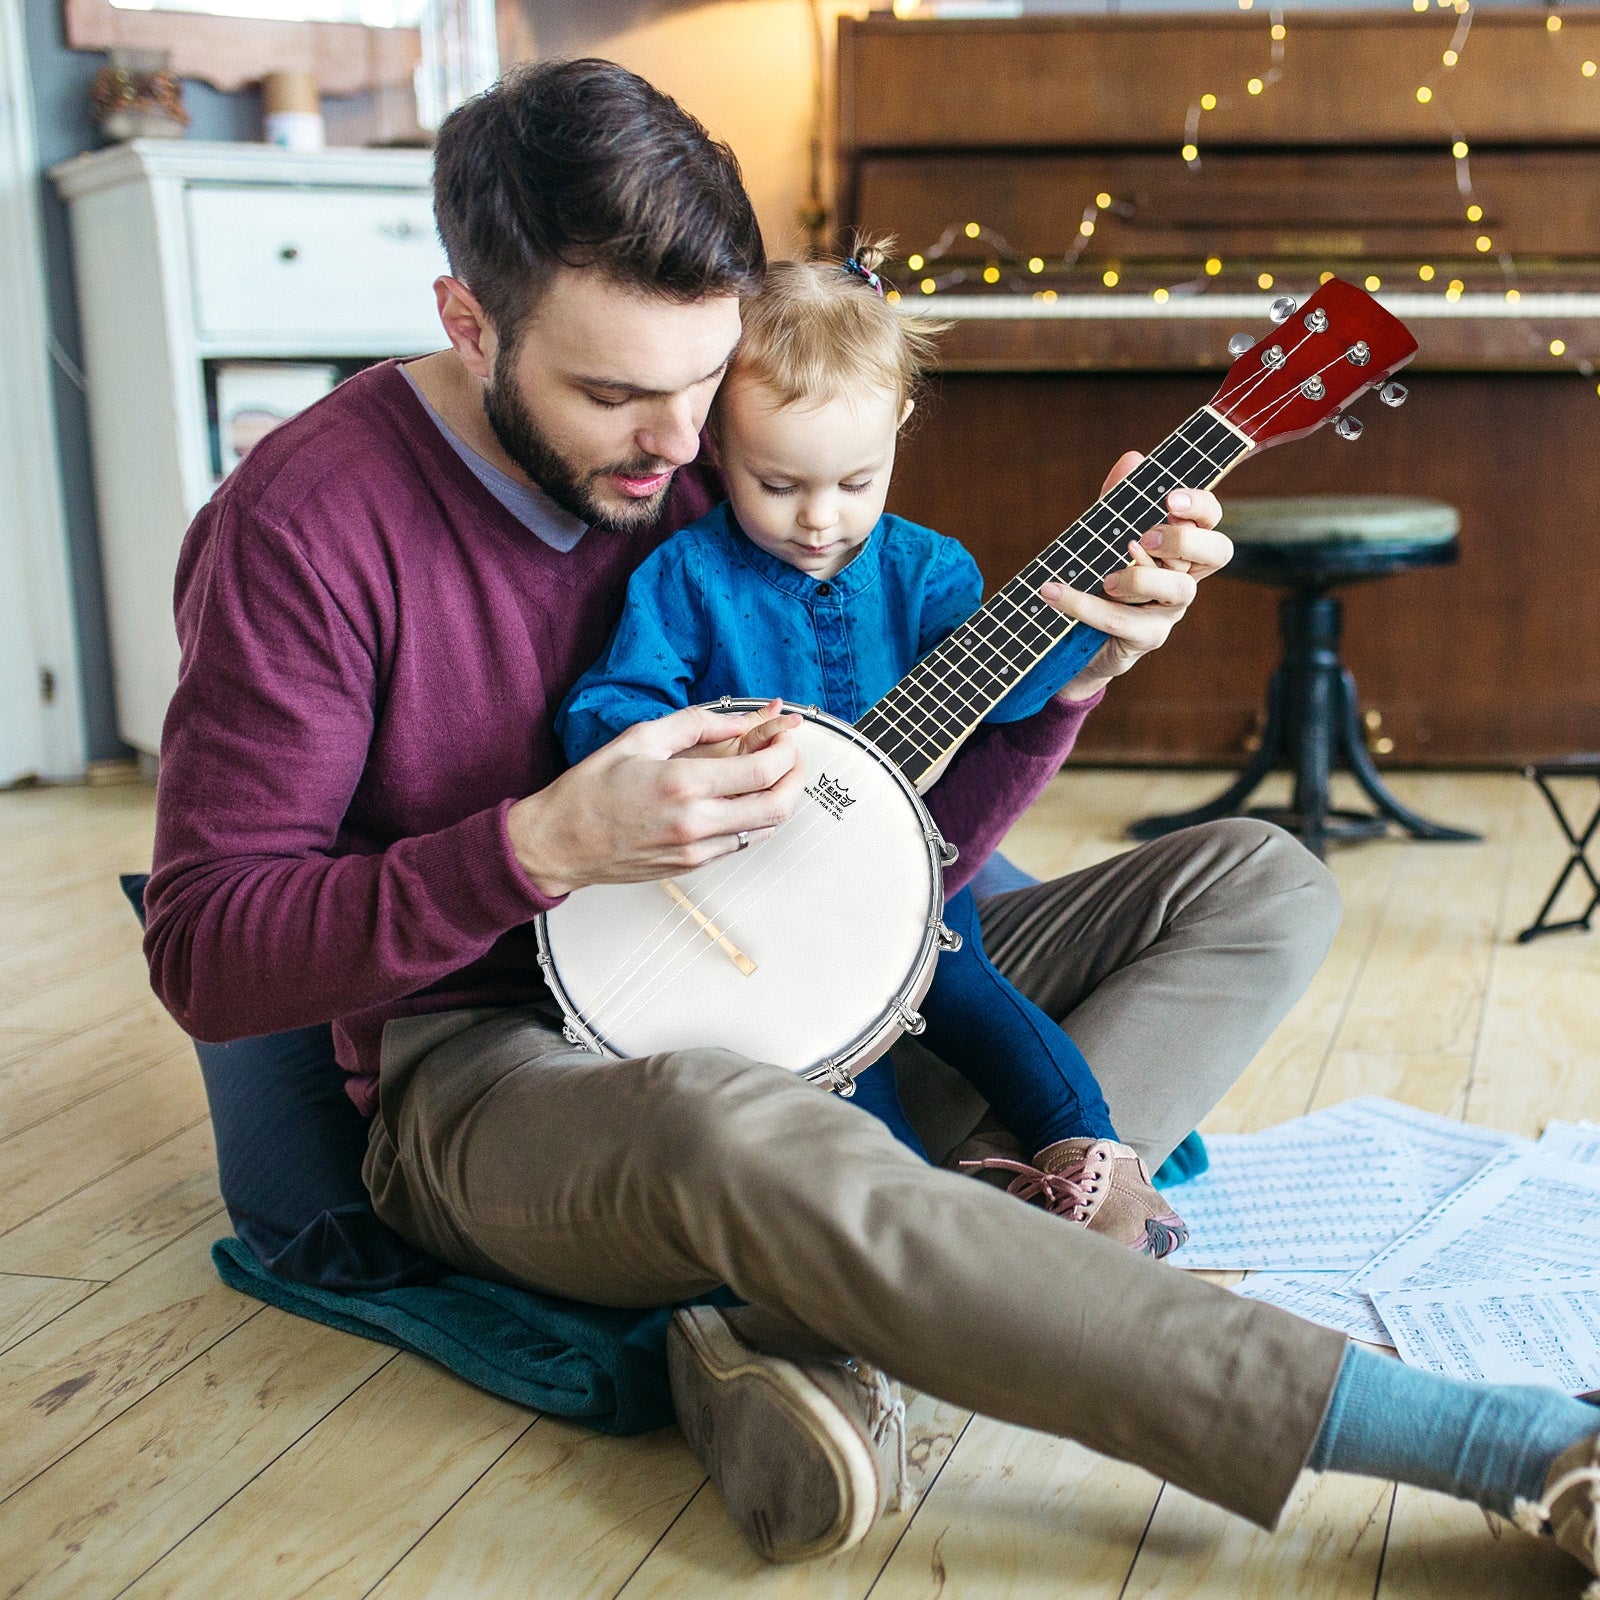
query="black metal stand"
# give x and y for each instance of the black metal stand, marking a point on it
(1578, 861)
(1313, 728)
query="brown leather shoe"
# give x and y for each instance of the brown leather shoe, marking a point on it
(806, 1455)
(1102, 1184)
(1570, 1510)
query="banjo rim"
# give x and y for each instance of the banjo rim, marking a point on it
(838, 1070)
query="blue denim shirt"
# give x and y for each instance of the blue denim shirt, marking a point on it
(709, 613)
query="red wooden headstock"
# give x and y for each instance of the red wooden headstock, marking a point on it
(1332, 349)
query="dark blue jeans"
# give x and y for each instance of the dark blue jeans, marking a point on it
(1015, 1055)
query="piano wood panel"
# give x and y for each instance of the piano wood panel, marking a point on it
(1494, 662)
(1348, 79)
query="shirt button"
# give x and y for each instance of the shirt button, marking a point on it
(824, 589)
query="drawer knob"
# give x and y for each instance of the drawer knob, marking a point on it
(290, 252)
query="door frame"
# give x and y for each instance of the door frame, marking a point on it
(41, 734)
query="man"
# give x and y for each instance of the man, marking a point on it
(363, 807)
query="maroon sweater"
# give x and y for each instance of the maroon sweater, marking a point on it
(374, 650)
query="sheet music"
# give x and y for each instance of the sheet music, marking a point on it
(1314, 1195)
(1498, 1334)
(1571, 1141)
(1319, 1297)
(1446, 1152)
(1525, 1218)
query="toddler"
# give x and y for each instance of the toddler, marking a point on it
(800, 586)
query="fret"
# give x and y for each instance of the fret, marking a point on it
(961, 680)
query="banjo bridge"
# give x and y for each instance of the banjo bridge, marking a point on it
(709, 928)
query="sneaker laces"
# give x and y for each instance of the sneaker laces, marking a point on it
(886, 1409)
(1071, 1193)
(1536, 1516)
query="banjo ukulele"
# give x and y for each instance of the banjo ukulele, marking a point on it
(813, 951)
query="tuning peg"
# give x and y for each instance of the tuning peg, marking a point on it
(1239, 344)
(1283, 308)
(1317, 321)
(1393, 394)
(1348, 427)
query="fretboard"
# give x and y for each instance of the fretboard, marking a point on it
(959, 682)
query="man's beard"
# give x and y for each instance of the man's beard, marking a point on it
(570, 488)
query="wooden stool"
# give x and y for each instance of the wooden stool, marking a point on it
(1310, 545)
(1583, 766)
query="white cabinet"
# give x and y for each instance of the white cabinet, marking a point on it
(189, 255)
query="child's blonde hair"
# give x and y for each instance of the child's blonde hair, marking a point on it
(819, 329)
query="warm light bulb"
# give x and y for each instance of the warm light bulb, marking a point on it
(1459, 149)
(1425, 272)
(1279, 32)
(1086, 228)
(1424, 95)
(1049, 296)
(1513, 296)
(1450, 58)
(1035, 263)
(1326, 277)
(991, 274)
(972, 230)
(1558, 347)
(1553, 24)
(1110, 277)
(905, 8)
(1589, 69)
(1245, 5)
(1213, 266)
(893, 297)
(1191, 152)
(1453, 293)
(1484, 242)
(927, 286)
(1374, 282)
(1255, 86)
(914, 262)
(1419, 5)
(1102, 200)
(1208, 102)
(1264, 280)
(1160, 296)
(1474, 213)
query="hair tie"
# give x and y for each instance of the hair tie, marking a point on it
(868, 277)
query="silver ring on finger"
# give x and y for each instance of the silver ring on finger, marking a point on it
(744, 840)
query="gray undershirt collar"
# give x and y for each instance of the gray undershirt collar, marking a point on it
(533, 508)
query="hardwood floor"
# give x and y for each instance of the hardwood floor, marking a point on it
(165, 1436)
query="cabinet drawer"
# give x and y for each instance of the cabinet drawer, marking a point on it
(335, 263)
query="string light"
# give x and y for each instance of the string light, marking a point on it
(1474, 213)
(1453, 293)
(1086, 228)
(1191, 152)
(1208, 102)
(1424, 95)
(1374, 283)
(1589, 69)
(893, 297)
(1484, 243)
(1419, 5)
(1450, 58)
(972, 230)
(1255, 86)
(1558, 347)
(1279, 31)
(991, 273)
(1325, 277)
(1160, 296)
(1213, 266)
(914, 262)
(1553, 24)
(1459, 149)
(1110, 277)
(1513, 296)
(1035, 263)
(1103, 200)
(1425, 272)
(927, 286)
(1264, 280)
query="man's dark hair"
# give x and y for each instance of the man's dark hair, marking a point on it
(584, 164)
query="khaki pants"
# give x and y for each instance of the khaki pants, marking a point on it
(502, 1149)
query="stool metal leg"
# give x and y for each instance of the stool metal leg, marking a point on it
(1354, 750)
(1578, 861)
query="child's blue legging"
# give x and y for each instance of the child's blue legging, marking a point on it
(1019, 1059)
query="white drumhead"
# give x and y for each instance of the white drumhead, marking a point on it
(833, 909)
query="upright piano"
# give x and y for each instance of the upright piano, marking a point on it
(1096, 205)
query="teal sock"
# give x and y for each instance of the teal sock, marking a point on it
(1492, 1443)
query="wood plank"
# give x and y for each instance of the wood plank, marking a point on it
(1436, 1083)
(77, 1146)
(1017, 1515)
(564, 1512)
(1328, 1546)
(702, 1552)
(112, 988)
(112, 1225)
(1444, 1549)
(49, 1072)
(28, 1304)
(72, 1377)
(332, 1513)
(112, 1508)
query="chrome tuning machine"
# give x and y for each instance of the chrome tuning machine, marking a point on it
(1359, 354)
(1393, 394)
(1317, 321)
(1283, 308)
(1240, 344)
(1348, 427)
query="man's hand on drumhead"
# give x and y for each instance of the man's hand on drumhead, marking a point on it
(1143, 602)
(632, 812)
